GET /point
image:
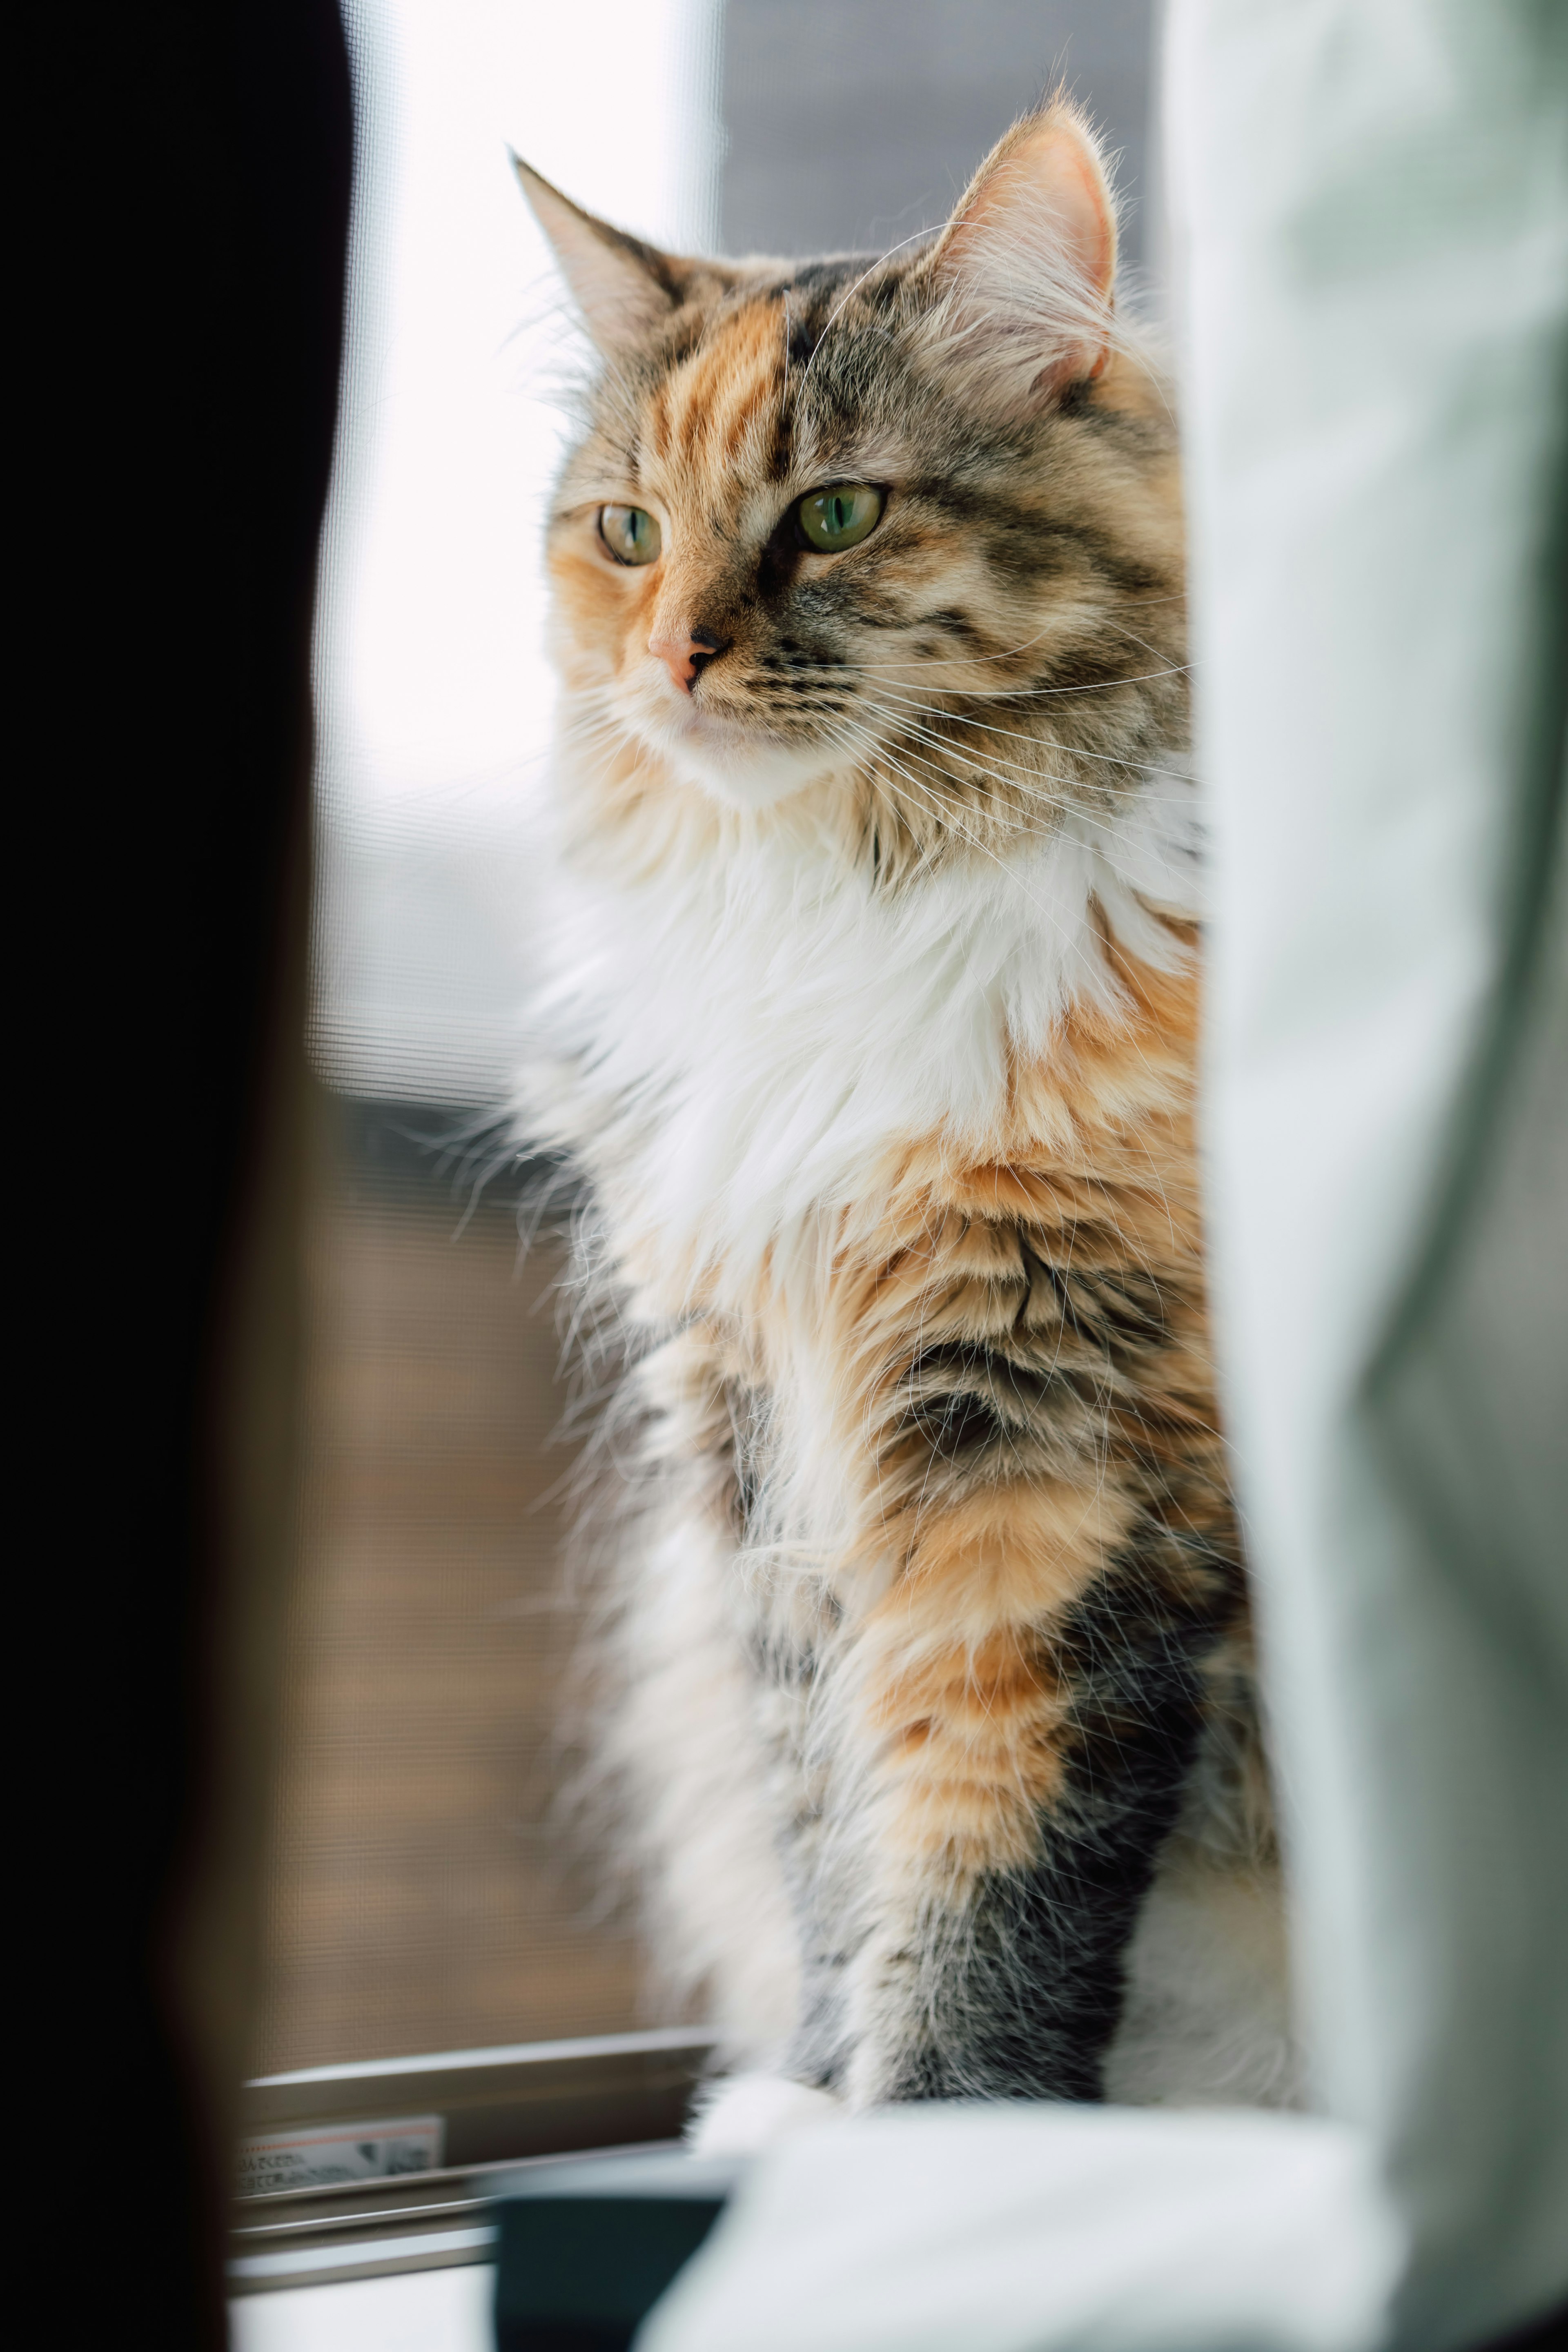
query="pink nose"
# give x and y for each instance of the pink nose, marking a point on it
(685, 658)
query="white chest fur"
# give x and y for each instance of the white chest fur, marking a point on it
(746, 1038)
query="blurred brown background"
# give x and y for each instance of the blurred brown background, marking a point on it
(428, 1893)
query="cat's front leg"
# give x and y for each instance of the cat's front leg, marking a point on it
(1014, 1791)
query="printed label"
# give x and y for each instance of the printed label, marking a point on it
(329, 2154)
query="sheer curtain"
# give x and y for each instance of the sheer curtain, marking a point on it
(1370, 203)
(1377, 206)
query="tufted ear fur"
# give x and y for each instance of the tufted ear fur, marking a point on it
(625, 290)
(1025, 269)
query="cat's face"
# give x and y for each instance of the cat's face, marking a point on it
(901, 532)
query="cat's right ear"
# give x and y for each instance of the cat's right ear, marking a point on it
(625, 290)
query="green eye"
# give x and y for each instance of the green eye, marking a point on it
(840, 516)
(630, 533)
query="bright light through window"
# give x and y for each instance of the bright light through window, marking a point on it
(435, 697)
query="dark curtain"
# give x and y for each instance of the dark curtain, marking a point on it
(178, 262)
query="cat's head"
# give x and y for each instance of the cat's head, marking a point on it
(901, 533)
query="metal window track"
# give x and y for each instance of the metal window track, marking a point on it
(504, 2111)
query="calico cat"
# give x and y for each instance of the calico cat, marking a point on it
(870, 1027)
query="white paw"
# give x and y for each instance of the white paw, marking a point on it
(747, 2113)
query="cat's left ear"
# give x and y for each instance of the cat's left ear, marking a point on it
(1026, 266)
(625, 290)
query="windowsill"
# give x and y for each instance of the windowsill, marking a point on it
(381, 2229)
(502, 2112)
(443, 2310)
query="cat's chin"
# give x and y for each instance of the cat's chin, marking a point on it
(737, 770)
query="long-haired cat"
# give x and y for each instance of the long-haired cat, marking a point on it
(870, 1029)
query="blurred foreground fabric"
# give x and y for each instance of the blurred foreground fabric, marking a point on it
(181, 321)
(1370, 202)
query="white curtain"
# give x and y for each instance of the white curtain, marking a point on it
(1375, 198)
(1370, 203)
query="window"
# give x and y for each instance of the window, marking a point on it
(431, 1898)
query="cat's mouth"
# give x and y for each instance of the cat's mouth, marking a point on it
(735, 762)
